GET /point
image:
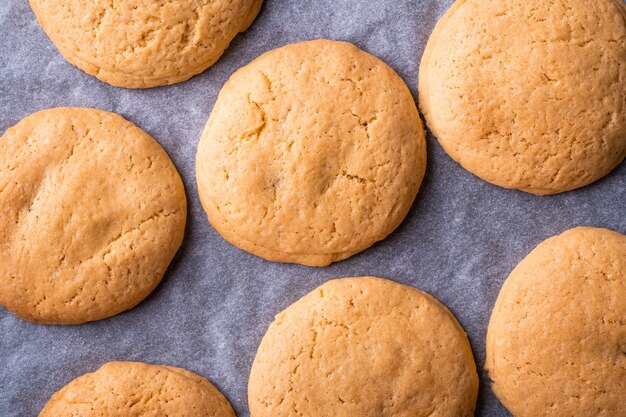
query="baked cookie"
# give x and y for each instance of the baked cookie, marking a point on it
(93, 211)
(364, 347)
(143, 43)
(124, 389)
(313, 152)
(529, 94)
(556, 344)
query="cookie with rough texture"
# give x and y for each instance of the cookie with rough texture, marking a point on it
(364, 347)
(313, 152)
(143, 43)
(92, 213)
(556, 344)
(133, 389)
(529, 95)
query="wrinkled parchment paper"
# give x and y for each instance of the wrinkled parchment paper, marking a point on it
(459, 242)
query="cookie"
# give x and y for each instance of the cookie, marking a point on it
(123, 389)
(313, 152)
(364, 347)
(143, 43)
(556, 344)
(529, 95)
(93, 211)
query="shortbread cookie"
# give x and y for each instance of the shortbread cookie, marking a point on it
(143, 43)
(93, 211)
(125, 389)
(313, 152)
(556, 344)
(529, 95)
(364, 347)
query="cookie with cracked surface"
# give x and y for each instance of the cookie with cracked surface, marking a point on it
(129, 389)
(313, 152)
(143, 43)
(93, 211)
(364, 347)
(556, 344)
(529, 95)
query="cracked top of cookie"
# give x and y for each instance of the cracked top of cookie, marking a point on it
(556, 343)
(93, 211)
(133, 389)
(143, 43)
(313, 152)
(529, 95)
(364, 347)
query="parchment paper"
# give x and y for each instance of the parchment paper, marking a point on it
(459, 242)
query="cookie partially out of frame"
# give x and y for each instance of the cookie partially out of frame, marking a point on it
(556, 344)
(93, 211)
(124, 389)
(143, 43)
(529, 95)
(364, 347)
(313, 152)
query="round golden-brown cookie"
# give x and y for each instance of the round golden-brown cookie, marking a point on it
(128, 389)
(529, 94)
(92, 213)
(364, 347)
(143, 43)
(556, 344)
(313, 152)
